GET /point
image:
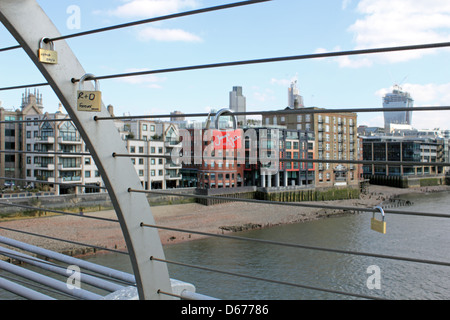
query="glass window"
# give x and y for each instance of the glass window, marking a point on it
(68, 132)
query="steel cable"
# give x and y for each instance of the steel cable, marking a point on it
(292, 204)
(255, 61)
(266, 280)
(145, 21)
(64, 240)
(299, 246)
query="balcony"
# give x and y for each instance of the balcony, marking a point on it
(49, 167)
(68, 153)
(172, 144)
(51, 179)
(69, 140)
(70, 179)
(77, 167)
(64, 179)
(172, 166)
(45, 140)
(173, 176)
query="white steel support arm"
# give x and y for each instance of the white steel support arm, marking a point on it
(28, 23)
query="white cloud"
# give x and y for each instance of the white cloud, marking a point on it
(264, 96)
(346, 4)
(151, 8)
(346, 61)
(386, 23)
(168, 35)
(281, 82)
(284, 82)
(148, 81)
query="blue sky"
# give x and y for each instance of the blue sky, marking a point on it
(271, 29)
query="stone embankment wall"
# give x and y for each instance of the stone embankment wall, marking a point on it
(278, 194)
(76, 203)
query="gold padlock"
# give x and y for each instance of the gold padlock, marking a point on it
(90, 101)
(45, 55)
(377, 225)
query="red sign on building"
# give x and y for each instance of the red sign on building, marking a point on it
(229, 139)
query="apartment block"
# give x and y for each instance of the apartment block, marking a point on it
(50, 154)
(152, 143)
(288, 144)
(404, 149)
(255, 162)
(68, 167)
(335, 139)
(12, 138)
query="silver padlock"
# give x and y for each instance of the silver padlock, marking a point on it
(90, 101)
(46, 55)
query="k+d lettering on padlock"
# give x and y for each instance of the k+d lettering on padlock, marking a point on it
(46, 55)
(378, 225)
(90, 101)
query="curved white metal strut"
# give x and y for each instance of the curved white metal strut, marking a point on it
(28, 23)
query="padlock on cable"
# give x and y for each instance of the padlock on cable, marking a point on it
(90, 101)
(49, 56)
(378, 225)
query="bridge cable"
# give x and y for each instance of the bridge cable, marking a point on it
(264, 279)
(146, 21)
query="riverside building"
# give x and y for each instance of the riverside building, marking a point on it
(150, 143)
(69, 167)
(285, 144)
(425, 150)
(259, 161)
(335, 137)
(12, 137)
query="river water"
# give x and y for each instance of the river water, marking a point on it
(407, 236)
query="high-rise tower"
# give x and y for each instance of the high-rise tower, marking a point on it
(295, 100)
(238, 104)
(398, 99)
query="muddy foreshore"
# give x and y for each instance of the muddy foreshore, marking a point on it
(222, 218)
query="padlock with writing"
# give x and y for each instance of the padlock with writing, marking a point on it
(47, 55)
(89, 100)
(378, 225)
